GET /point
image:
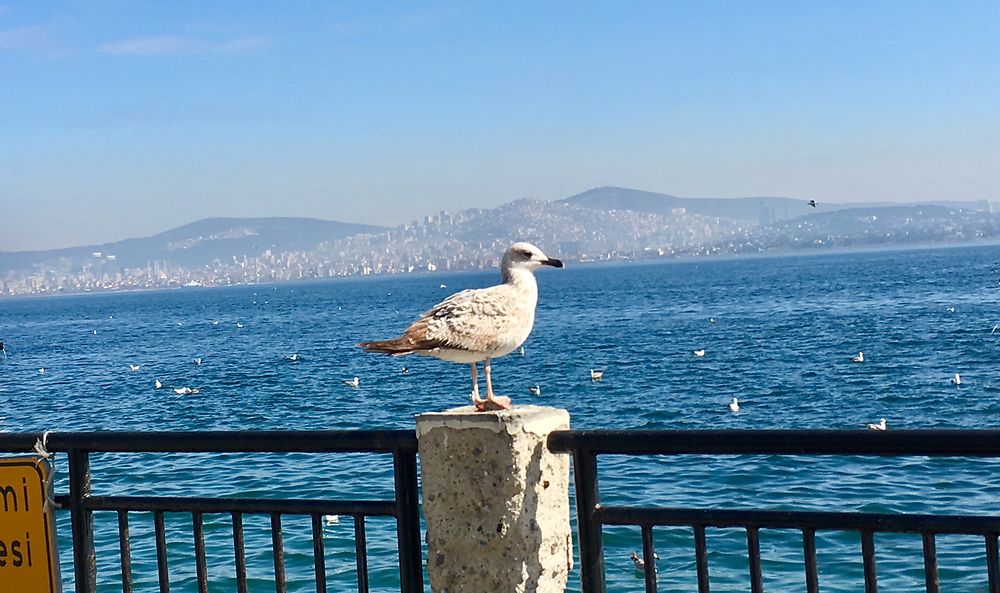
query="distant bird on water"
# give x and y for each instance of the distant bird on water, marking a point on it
(956, 380)
(880, 426)
(596, 375)
(734, 406)
(2, 349)
(859, 358)
(134, 367)
(355, 382)
(197, 360)
(478, 325)
(535, 389)
(157, 384)
(699, 353)
(186, 390)
(812, 203)
(639, 563)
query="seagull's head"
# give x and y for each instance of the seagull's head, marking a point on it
(525, 256)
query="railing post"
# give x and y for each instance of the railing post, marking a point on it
(496, 500)
(411, 571)
(82, 521)
(588, 499)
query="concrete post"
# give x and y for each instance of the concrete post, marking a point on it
(496, 501)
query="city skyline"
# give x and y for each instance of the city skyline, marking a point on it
(125, 120)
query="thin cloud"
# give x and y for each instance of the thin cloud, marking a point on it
(30, 39)
(176, 46)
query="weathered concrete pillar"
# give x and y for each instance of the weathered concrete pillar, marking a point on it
(496, 500)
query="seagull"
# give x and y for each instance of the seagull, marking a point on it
(331, 519)
(812, 203)
(186, 390)
(711, 319)
(443, 286)
(215, 322)
(880, 426)
(294, 357)
(355, 382)
(995, 329)
(134, 367)
(956, 380)
(639, 563)
(734, 406)
(596, 375)
(699, 353)
(478, 325)
(197, 360)
(859, 358)
(951, 309)
(239, 325)
(404, 371)
(2, 349)
(41, 371)
(157, 384)
(535, 389)
(521, 351)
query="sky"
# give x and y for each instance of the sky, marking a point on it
(122, 119)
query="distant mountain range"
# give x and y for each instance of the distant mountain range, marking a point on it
(604, 223)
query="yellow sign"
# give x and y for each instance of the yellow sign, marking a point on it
(29, 562)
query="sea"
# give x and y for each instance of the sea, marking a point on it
(778, 334)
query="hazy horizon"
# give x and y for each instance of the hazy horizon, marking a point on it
(125, 120)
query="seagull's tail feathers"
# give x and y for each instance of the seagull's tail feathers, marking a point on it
(394, 347)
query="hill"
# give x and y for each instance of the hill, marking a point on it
(195, 244)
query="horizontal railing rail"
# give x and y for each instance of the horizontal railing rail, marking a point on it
(82, 503)
(586, 445)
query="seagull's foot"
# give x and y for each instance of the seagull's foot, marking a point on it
(496, 402)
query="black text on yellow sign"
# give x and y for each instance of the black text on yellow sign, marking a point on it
(28, 559)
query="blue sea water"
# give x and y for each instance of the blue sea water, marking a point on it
(784, 330)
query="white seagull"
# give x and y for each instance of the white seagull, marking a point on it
(956, 380)
(134, 367)
(734, 406)
(197, 360)
(596, 375)
(355, 382)
(859, 358)
(186, 390)
(478, 325)
(331, 519)
(535, 389)
(157, 384)
(880, 426)
(699, 353)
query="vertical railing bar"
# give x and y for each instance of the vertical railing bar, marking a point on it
(753, 554)
(930, 564)
(701, 558)
(319, 552)
(411, 570)
(868, 555)
(199, 551)
(992, 563)
(239, 551)
(277, 543)
(809, 558)
(588, 499)
(361, 552)
(125, 549)
(82, 521)
(649, 557)
(162, 568)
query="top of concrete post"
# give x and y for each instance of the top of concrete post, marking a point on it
(540, 420)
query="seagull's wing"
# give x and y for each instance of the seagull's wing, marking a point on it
(468, 320)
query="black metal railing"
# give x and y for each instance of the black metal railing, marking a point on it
(586, 445)
(81, 504)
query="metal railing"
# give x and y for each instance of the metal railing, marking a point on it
(81, 504)
(586, 445)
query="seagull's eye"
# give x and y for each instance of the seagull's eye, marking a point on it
(526, 254)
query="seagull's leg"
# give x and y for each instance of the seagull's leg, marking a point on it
(493, 402)
(476, 400)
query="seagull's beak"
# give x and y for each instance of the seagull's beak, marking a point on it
(552, 262)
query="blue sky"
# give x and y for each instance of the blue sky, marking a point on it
(121, 118)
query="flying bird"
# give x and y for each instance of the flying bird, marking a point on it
(812, 203)
(478, 325)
